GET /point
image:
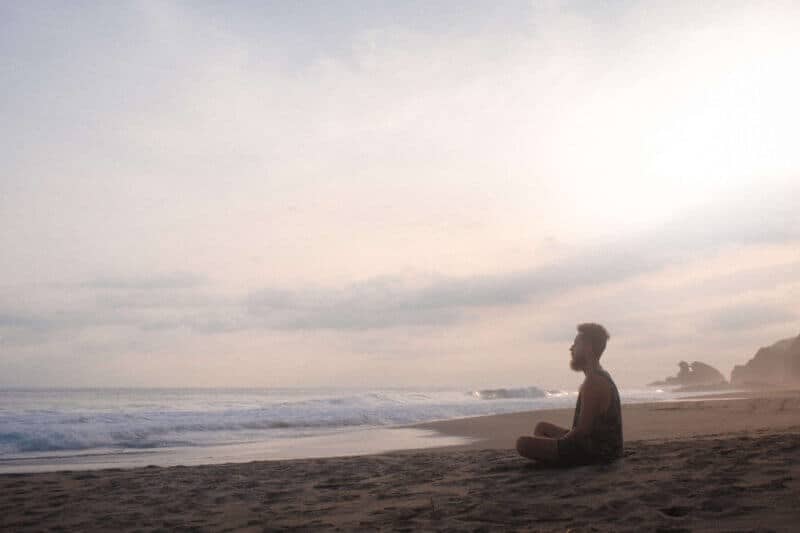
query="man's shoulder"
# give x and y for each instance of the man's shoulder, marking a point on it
(596, 383)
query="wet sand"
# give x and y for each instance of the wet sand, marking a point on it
(732, 465)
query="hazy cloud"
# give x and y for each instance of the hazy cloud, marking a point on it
(19, 328)
(19, 321)
(184, 300)
(749, 316)
(389, 302)
(376, 303)
(232, 170)
(174, 280)
(35, 314)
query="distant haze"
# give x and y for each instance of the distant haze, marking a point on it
(393, 194)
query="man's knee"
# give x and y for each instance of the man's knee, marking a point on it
(522, 445)
(541, 429)
(537, 448)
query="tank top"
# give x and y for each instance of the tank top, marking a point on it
(605, 438)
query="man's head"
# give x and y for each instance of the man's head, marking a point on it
(589, 344)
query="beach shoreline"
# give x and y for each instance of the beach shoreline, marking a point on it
(739, 472)
(731, 412)
(714, 414)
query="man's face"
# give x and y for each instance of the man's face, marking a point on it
(580, 351)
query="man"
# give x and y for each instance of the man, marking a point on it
(596, 434)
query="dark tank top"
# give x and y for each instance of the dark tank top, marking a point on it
(605, 438)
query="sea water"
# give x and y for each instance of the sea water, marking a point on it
(52, 429)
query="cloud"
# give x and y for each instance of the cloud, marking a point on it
(174, 280)
(189, 301)
(375, 303)
(751, 279)
(21, 327)
(338, 143)
(208, 322)
(754, 217)
(749, 316)
(157, 302)
(20, 321)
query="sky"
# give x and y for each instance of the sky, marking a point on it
(411, 194)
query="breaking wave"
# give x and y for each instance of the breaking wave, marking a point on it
(71, 421)
(505, 394)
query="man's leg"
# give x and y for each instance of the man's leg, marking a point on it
(546, 429)
(542, 448)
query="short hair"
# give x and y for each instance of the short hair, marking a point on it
(596, 335)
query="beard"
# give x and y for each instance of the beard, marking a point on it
(577, 364)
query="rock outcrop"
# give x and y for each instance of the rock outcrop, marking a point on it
(692, 375)
(778, 364)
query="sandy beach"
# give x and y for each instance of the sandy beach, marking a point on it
(726, 464)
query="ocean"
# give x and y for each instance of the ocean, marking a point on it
(57, 429)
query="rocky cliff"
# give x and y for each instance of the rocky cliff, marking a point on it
(778, 364)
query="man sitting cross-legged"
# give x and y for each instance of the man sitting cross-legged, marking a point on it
(596, 433)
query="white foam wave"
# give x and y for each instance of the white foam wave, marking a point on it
(505, 394)
(65, 421)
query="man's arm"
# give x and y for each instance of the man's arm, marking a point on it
(546, 429)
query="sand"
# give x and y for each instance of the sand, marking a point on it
(725, 465)
(701, 415)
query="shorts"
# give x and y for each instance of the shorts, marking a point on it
(576, 452)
